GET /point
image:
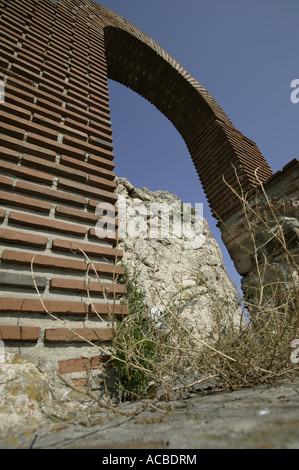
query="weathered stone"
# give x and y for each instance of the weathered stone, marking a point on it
(32, 397)
(23, 387)
(175, 264)
(260, 417)
(254, 240)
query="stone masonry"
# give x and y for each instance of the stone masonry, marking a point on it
(56, 157)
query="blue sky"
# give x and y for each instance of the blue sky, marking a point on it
(245, 53)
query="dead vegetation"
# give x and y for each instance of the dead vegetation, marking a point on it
(158, 355)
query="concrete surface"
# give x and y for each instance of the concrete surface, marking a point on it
(263, 417)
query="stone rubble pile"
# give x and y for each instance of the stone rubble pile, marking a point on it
(169, 266)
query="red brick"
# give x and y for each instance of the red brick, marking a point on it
(45, 90)
(18, 101)
(56, 168)
(97, 127)
(98, 82)
(93, 204)
(14, 18)
(55, 145)
(39, 46)
(7, 48)
(87, 147)
(41, 103)
(45, 121)
(27, 71)
(101, 183)
(28, 125)
(8, 20)
(26, 8)
(12, 199)
(17, 86)
(57, 54)
(80, 364)
(102, 162)
(2, 214)
(48, 193)
(95, 95)
(26, 173)
(84, 216)
(81, 286)
(101, 109)
(54, 69)
(10, 31)
(26, 68)
(15, 111)
(7, 53)
(67, 264)
(87, 190)
(98, 141)
(64, 335)
(102, 112)
(8, 154)
(52, 96)
(20, 238)
(19, 333)
(45, 224)
(94, 169)
(75, 104)
(13, 131)
(73, 110)
(78, 81)
(101, 89)
(92, 99)
(113, 310)
(89, 249)
(6, 182)
(26, 147)
(34, 306)
(55, 117)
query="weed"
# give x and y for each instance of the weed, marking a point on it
(173, 355)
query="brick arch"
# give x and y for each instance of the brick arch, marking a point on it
(215, 145)
(56, 162)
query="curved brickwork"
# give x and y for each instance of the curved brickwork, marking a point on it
(138, 62)
(56, 158)
(213, 142)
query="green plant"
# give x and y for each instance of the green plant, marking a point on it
(134, 354)
(175, 355)
(135, 341)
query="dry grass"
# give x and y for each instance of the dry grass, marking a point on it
(164, 356)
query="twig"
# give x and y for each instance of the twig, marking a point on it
(55, 317)
(181, 387)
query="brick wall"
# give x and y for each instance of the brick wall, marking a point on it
(56, 157)
(56, 161)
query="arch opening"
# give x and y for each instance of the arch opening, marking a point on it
(150, 152)
(214, 144)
